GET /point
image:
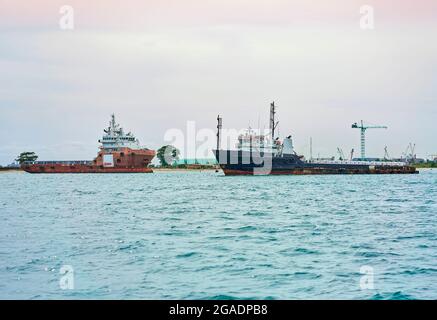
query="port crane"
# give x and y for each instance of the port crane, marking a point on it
(340, 154)
(409, 152)
(363, 129)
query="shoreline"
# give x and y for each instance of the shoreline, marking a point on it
(160, 170)
(5, 169)
(182, 169)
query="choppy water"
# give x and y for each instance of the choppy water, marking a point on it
(200, 235)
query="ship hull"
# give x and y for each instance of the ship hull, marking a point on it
(81, 169)
(123, 160)
(253, 163)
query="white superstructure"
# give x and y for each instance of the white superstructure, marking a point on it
(115, 138)
(253, 142)
(250, 141)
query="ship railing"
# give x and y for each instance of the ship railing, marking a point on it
(366, 163)
(118, 147)
(74, 162)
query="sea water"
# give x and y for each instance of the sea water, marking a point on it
(201, 235)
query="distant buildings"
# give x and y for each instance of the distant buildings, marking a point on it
(203, 162)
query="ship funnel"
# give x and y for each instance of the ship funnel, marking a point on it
(287, 146)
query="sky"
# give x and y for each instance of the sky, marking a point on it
(158, 64)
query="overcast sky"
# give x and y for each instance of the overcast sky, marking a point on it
(158, 63)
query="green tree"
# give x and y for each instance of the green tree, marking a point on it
(167, 155)
(26, 156)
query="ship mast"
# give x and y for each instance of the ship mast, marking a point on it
(219, 129)
(272, 124)
(112, 124)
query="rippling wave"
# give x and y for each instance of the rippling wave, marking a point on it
(200, 235)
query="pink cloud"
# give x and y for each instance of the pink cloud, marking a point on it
(134, 14)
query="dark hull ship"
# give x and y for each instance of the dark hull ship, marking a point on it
(265, 155)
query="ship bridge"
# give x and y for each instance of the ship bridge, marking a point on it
(115, 138)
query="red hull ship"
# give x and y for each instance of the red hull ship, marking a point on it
(119, 153)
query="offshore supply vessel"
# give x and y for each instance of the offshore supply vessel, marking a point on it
(258, 154)
(120, 152)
